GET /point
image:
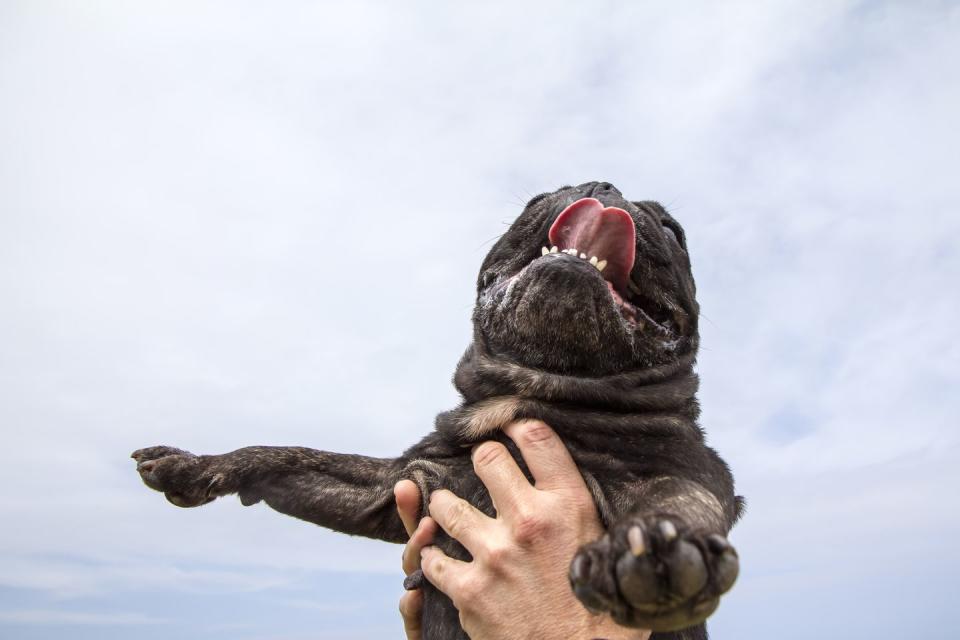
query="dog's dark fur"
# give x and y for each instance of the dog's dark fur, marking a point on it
(549, 343)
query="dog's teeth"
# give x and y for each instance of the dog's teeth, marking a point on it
(554, 249)
(583, 255)
(600, 265)
(593, 260)
(544, 251)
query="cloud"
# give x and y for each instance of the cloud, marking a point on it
(43, 617)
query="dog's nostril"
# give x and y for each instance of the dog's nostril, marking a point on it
(604, 187)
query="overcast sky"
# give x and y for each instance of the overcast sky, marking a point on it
(235, 223)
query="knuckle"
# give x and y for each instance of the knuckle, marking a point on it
(456, 517)
(497, 556)
(489, 453)
(530, 528)
(535, 432)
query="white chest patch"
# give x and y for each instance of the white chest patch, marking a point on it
(491, 415)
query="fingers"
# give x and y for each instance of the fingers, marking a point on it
(421, 537)
(407, 496)
(411, 608)
(546, 456)
(444, 572)
(460, 519)
(421, 534)
(498, 471)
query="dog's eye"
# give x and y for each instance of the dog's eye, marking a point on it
(673, 230)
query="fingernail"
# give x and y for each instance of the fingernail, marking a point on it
(426, 551)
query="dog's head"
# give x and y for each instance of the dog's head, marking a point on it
(586, 282)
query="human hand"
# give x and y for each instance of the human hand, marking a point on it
(516, 587)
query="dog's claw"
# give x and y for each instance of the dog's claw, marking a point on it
(580, 567)
(600, 594)
(717, 543)
(635, 538)
(667, 530)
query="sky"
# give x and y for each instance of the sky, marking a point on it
(236, 223)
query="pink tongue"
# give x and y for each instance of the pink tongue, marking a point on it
(607, 233)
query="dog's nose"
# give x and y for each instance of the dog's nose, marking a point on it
(598, 189)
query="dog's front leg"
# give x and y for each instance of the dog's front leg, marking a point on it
(663, 565)
(347, 493)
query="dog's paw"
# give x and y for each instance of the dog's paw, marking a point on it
(654, 573)
(185, 479)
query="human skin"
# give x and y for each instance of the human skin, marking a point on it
(516, 587)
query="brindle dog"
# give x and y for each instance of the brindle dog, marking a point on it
(586, 318)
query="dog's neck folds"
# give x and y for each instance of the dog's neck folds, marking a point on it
(497, 392)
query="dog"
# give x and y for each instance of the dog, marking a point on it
(586, 318)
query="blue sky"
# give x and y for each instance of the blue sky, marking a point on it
(225, 224)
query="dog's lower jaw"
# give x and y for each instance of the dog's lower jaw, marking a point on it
(559, 316)
(580, 332)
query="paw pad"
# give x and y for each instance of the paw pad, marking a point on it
(654, 573)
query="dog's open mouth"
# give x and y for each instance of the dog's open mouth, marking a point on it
(603, 235)
(606, 238)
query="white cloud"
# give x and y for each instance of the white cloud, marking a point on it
(53, 617)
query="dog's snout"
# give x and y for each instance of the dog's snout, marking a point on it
(603, 189)
(606, 187)
(605, 192)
